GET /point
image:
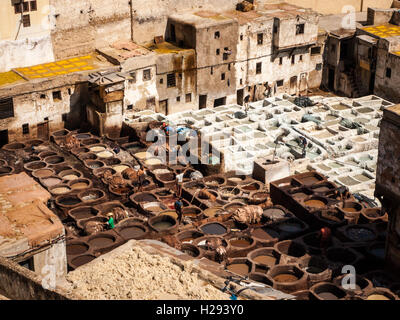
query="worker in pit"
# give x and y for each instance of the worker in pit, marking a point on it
(304, 144)
(167, 129)
(110, 222)
(178, 208)
(325, 236)
(141, 178)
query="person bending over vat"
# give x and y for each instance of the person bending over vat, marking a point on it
(110, 222)
(178, 208)
(325, 236)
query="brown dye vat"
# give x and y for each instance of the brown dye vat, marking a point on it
(189, 235)
(93, 164)
(60, 168)
(162, 223)
(70, 175)
(50, 182)
(45, 154)
(111, 161)
(35, 165)
(43, 173)
(241, 243)
(315, 203)
(90, 141)
(77, 151)
(251, 187)
(239, 268)
(289, 251)
(83, 212)
(191, 212)
(214, 229)
(101, 241)
(265, 260)
(13, 146)
(191, 250)
(352, 207)
(144, 197)
(60, 189)
(327, 291)
(6, 170)
(80, 184)
(91, 195)
(60, 133)
(81, 260)
(132, 232)
(87, 156)
(76, 248)
(211, 212)
(233, 206)
(67, 201)
(264, 233)
(34, 143)
(285, 277)
(54, 159)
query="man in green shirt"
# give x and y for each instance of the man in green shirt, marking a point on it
(110, 221)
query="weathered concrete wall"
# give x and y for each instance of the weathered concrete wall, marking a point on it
(19, 283)
(33, 107)
(377, 15)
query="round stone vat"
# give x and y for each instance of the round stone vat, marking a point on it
(43, 173)
(3, 162)
(263, 257)
(288, 278)
(258, 197)
(59, 189)
(70, 175)
(371, 215)
(208, 252)
(80, 184)
(315, 202)
(253, 186)
(327, 291)
(50, 181)
(188, 236)
(276, 213)
(233, 206)
(358, 233)
(14, 146)
(6, 170)
(76, 247)
(60, 167)
(214, 228)
(47, 153)
(87, 156)
(154, 207)
(233, 181)
(312, 241)
(83, 212)
(338, 257)
(193, 213)
(163, 223)
(214, 181)
(241, 244)
(34, 142)
(35, 165)
(133, 231)
(82, 136)
(119, 168)
(260, 277)
(84, 224)
(90, 141)
(265, 235)
(101, 241)
(96, 148)
(67, 201)
(142, 197)
(91, 195)
(99, 172)
(361, 284)
(110, 161)
(203, 196)
(289, 251)
(379, 294)
(316, 269)
(81, 260)
(54, 160)
(78, 151)
(240, 266)
(60, 133)
(191, 250)
(227, 193)
(93, 164)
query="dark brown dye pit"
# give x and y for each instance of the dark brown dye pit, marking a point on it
(239, 268)
(327, 296)
(241, 243)
(162, 225)
(285, 278)
(69, 201)
(101, 242)
(145, 198)
(267, 260)
(308, 180)
(314, 270)
(299, 195)
(265, 233)
(74, 249)
(132, 232)
(84, 213)
(315, 203)
(79, 261)
(213, 228)
(290, 227)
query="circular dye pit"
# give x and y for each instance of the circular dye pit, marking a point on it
(35, 165)
(377, 297)
(190, 250)
(50, 182)
(285, 278)
(290, 226)
(83, 213)
(241, 242)
(360, 234)
(76, 248)
(101, 241)
(132, 232)
(264, 233)
(214, 228)
(315, 203)
(144, 197)
(79, 184)
(239, 268)
(265, 260)
(43, 173)
(81, 260)
(60, 190)
(120, 168)
(54, 159)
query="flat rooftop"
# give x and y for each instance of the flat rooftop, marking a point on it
(25, 220)
(384, 30)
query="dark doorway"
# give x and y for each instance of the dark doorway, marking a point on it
(331, 79)
(372, 83)
(164, 107)
(202, 101)
(293, 85)
(3, 137)
(173, 34)
(219, 102)
(43, 130)
(239, 96)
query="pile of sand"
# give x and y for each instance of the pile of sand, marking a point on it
(135, 274)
